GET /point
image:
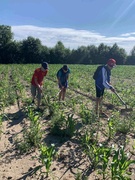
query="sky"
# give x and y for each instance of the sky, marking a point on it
(73, 22)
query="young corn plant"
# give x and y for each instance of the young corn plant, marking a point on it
(34, 133)
(105, 154)
(111, 128)
(87, 136)
(94, 153)
(79, 176)
(3, 100)
(73, 104)
(86, 115)
(47, 155)
(85, 139)
(51, 106)
(32, 115)
(57, 124)
(32, 136)
(120, 164)
(62, 125)
(126, 124)
(70, 125)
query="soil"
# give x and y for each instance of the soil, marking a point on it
(15, 166)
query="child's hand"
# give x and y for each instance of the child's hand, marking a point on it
(112, 89)
(40, 88)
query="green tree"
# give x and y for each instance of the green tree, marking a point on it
(131, 57)
(84, 55)
(93, 53)
(118, 53)
(13, 52)
(45, 54)
(31, 50)
(103, 53)
(58, 54)
(6, 37)
(132, 53)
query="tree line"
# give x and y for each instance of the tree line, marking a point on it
(31, 50)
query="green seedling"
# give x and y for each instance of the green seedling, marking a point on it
(62, 125)
(87, 137)
(47, 155)
(32, 115)
(32, 136)
(111, 128)
(120, 164)
(70, 125)
(86, 115)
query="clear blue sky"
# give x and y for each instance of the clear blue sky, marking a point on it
(74, 22)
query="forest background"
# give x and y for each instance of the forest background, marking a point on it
(31, 50)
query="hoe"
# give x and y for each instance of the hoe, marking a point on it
(126, 109)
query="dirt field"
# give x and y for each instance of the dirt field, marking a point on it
(70, 161)
(15, 166)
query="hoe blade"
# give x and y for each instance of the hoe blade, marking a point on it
(126, 110)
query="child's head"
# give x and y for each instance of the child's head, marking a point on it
(111, 63)
(65, 68)
(44, 65)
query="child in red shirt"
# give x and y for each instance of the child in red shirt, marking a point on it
(37, 82)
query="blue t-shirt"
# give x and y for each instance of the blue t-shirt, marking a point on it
(63, 76)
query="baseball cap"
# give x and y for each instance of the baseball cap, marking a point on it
(111, 62)
(65, 67)
(45, 65)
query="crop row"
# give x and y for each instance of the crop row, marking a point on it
(74, 118)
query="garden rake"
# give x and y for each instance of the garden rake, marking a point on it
(126, 109)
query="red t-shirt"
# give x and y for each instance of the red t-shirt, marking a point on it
(39, 75)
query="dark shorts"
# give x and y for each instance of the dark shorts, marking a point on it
(63, 84)
(99, 92)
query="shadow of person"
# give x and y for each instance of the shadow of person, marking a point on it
(15, 118)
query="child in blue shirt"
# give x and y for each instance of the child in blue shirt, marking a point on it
(62, 76)
(102, 81)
